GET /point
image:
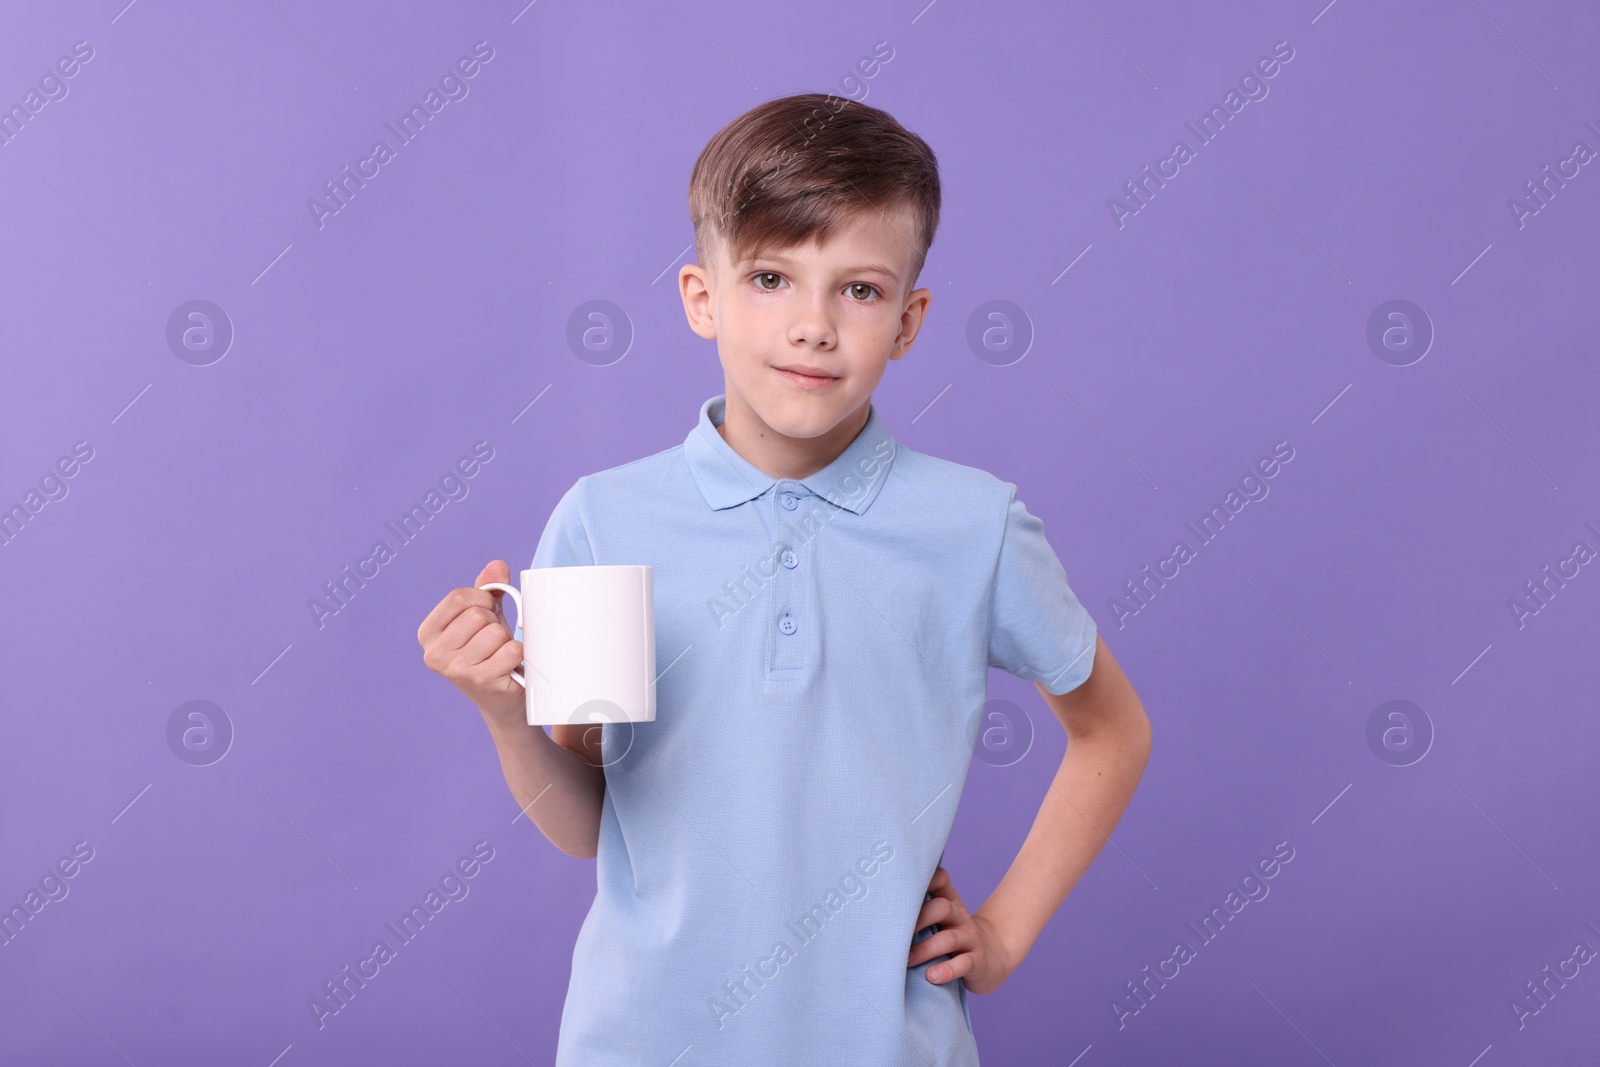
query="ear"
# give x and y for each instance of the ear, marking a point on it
(696, 286)
(911, 320)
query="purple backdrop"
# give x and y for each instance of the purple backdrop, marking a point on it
(1126, 355)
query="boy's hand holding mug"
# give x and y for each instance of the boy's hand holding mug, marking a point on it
(592, 627)
(466, 639)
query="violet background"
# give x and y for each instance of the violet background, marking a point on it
(429, 312)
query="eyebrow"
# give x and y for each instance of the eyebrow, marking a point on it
(861, 269)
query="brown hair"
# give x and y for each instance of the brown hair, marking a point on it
(793, 169)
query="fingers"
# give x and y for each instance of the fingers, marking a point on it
(936, 910)
(952, 969)
(447, 610)
(483, 644)
(443, 651)
(950, 939)
(957, 932)
(497, 570)
(465, 627)
(503, 660)
(457, 600)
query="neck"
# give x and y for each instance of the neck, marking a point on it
(778, 456)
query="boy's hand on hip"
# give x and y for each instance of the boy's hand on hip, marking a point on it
(980, 960)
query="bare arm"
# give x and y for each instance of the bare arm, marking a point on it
(558, 782)
(1108, 744)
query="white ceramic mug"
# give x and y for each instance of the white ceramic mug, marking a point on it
(589, 638)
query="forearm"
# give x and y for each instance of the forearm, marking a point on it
(1091, 789)
(556, 788)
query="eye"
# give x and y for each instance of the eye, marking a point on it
(767, 274)
(871, 289)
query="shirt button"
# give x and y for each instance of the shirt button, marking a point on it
(789, 559)
(787, 624)
(789, 501)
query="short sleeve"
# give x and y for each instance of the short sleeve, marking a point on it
(565, 542)
(1038, 630)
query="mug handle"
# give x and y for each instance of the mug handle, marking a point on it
(516, 598)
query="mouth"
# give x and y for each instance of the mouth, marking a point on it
(807, 377)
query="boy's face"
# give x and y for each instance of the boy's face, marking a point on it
(804, 333)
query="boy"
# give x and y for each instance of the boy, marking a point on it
(828, 605)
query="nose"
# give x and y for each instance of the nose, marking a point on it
(812, 325)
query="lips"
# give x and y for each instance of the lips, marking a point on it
(807, 377)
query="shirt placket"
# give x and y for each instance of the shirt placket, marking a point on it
(789, 625)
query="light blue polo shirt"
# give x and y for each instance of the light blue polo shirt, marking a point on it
(767, 842)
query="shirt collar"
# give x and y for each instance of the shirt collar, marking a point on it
(852, 481)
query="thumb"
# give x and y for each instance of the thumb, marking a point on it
(497, 571)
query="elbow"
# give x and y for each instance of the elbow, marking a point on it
(586, 849)
(1138, 730)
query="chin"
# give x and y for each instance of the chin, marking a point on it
(803, 418)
